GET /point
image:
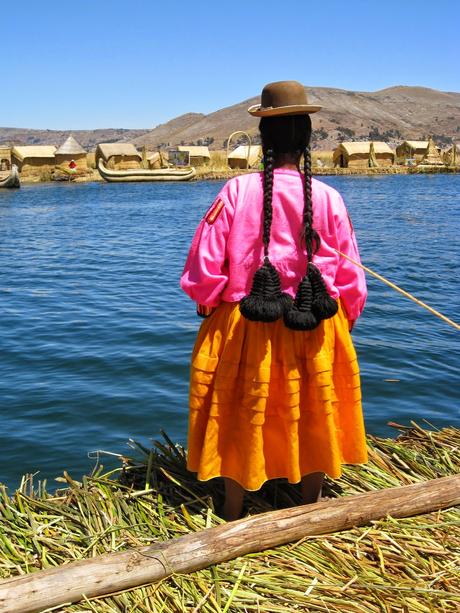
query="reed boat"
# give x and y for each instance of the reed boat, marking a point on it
(143, 174)
(12, 180)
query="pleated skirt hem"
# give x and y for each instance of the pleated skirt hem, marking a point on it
(267, 402)
(256, 488)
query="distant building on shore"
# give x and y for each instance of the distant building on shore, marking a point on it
(245, 156)
(118, 156)
(157, 159)
(71, 150)
(198, 155)
(361, 154)
(5, 158)
(33, 159)
(411, 150)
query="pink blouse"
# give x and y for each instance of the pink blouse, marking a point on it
(227, 247)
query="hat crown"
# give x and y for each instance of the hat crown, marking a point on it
(282, 94)
(283, 98)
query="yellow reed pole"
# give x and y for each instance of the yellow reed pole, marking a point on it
(400, 290)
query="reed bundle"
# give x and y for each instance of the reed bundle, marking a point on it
(408, 565)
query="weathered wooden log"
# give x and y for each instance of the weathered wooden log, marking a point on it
(120, 571)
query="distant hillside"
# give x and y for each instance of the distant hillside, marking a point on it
(391, 115)
(87, 138)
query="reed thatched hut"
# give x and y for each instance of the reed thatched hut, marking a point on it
(33, 160)
(198, 156)
(70, 151)
(411, 150)
(157, 159)
(245, 156)
(5, 158)
(363, 154)
(119, 156)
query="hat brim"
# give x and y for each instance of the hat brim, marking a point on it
(301, 109)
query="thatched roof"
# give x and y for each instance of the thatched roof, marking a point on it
(363, 147)
(416, 144)
(107, 150)
(195, 151)
(241, 152)
(33, 151)
(70, 147)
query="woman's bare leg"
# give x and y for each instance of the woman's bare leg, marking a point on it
(311, 487)
(233, 504)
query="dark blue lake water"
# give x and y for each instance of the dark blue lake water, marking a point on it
(96, 335)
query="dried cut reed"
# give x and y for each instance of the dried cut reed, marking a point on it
(407, 565)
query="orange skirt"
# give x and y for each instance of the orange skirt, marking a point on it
(268, 402)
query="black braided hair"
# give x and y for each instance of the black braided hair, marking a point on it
(269, 162)
(323, 306)
(312, 302)
(284, 140)
(266, 302)
(312, 239)
(301, 316)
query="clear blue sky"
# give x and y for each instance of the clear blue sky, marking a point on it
(135, 64)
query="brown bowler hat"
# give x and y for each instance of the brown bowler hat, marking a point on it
(283, 98)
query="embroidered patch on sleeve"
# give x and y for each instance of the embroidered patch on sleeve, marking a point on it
(214, 211)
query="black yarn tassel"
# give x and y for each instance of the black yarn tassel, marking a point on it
(300, 316)
(265, 302)
(323, 305)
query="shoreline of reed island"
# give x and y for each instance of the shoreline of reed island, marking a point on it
(392, 564)
(216, 169)
(209, 174)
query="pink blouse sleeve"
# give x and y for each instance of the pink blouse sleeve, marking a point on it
(350, 279)
(205, 273)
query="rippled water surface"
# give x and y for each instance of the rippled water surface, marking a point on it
(96, 335)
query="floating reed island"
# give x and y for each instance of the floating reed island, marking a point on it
(122, 162)
(389, 565)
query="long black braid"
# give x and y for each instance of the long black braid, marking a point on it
(269, 162)
(312, 302)
(312, 238)
(323, 305)
(266, 302)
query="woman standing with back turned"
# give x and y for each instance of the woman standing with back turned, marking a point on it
(275, 388)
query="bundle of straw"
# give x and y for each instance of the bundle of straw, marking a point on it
(408, 565)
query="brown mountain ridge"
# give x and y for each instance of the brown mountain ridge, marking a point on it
(392, 114)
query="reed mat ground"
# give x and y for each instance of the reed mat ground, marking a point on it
(408, 565)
